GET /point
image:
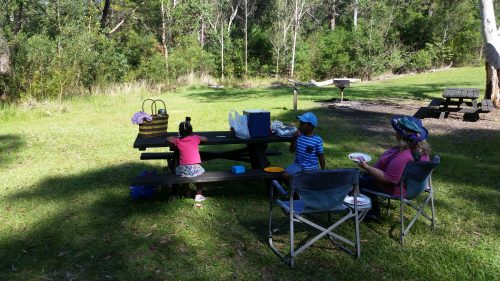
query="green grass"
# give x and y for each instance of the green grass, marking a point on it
(66, 213)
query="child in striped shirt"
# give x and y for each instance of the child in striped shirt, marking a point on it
(307, 146)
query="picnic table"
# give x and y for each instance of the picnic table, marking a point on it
(461, 100)
(254, 150)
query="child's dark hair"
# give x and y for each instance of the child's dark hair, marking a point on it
(185, 128)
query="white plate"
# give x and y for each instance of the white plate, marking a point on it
(354, 156)
(361, 200)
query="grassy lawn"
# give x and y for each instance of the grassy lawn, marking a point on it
(66, 213)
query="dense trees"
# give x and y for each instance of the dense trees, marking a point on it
(54, 48)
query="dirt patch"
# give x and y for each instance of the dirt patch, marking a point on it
(374, 115)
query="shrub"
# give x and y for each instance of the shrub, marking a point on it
(421, 60)
(152, 69)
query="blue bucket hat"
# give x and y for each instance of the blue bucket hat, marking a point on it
(409, 127)
(309, 117)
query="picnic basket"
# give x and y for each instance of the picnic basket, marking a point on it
(158, 125)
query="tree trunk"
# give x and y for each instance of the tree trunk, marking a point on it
(4, 56)
(202, 34)
(333, 16)
(18, 18)
(246, 38)
(277, 63)
(163, 33)
(222, 51)
(491, 51)
(295, 31)
(492, 85)
(355, 17)
(105, 13)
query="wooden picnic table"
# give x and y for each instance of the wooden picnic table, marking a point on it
(254, 150)
(461, 100)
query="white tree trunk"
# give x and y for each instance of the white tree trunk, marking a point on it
(246, 38)
(491, 51)
(222, 51)
(277, 64)
(334, 15)
(4, 55)
(163, 33)
(295, 31)
(355, 17)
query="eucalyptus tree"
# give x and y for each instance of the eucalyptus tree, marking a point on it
(300, 8)
(248, 9)
(222, 17)
(491, 36)
(281, 21)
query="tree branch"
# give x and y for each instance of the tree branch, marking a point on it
(235, 11)
(123, 20)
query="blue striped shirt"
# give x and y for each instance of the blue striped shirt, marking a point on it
(307, 150)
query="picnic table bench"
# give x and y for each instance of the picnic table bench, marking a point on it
(461, 100)
(209, 176)
(240, 155)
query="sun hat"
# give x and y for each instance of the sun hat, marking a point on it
(309, 117)
(409, 127)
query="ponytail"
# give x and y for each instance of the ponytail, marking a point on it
(185, 128)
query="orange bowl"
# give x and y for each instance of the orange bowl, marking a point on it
(274, 169)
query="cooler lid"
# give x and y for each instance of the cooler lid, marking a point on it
(255, 111)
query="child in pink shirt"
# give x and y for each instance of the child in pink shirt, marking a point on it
(189, 154)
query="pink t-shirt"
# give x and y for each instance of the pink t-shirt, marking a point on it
(188, 150)
(393, 164)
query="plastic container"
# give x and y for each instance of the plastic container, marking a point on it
(238, 169)
(258, 123)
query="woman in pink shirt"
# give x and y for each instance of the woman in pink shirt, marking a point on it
(189, 154)
(386, 174)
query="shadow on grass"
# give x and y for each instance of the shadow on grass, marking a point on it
(426, 91)
(464, 162)
(86, 227)
(10, 145)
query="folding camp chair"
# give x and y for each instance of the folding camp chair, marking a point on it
(320, 192)
(417, 179)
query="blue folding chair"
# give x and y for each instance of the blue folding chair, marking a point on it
(417, 178)
(320, 192)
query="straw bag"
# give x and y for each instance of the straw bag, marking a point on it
(158, 125)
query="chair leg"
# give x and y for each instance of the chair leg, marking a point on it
(433, 221)
(356, 223)
(401, 211)
(292, 238)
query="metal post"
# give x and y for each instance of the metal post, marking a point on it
(295, 94)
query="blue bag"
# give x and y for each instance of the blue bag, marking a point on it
(143, 191)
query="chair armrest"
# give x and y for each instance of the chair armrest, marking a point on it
(278, 187)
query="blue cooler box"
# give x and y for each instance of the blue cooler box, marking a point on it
(258, 123)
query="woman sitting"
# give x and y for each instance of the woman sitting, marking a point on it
(386, 174)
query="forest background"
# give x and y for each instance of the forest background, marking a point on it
(59, 48)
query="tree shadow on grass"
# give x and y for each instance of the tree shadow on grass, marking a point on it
(10, 145)
(86, 227)
(234, 94)
(468, 158)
